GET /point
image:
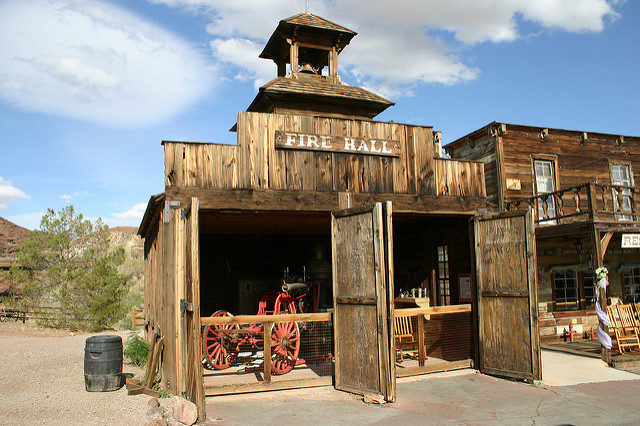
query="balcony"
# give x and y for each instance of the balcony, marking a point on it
(593, 202)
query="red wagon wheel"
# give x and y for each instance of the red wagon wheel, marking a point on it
(285, 346)
(221, 349)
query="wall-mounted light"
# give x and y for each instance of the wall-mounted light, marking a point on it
(544, 134)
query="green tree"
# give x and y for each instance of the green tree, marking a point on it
(67, 264)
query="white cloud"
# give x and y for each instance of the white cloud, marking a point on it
(66, 198)
(243, 54)
(93, 61)
(398, 44)
(131, 217)
(27, 220)
(9, 194)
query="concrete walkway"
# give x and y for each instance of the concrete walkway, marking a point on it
(578, 396)
(562, 369)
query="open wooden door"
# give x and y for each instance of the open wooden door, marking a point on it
(189, 325)
(362, 254)
(507, 295)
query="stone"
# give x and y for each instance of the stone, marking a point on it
(153, 402)
(185, 412)
(154, 418)
(155, 410)
(372, 398)
(156, 422)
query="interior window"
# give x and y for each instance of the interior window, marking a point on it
(444, 295)
(566, 290)
(545, 184)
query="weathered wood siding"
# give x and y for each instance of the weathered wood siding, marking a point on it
(482, 149)
(578, 160)
(255, 162)
(507, 295)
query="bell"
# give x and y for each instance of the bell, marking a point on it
(307, 69)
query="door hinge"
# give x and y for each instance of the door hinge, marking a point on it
(167, 209)
(185, 306)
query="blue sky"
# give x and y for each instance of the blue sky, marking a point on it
(88, 89)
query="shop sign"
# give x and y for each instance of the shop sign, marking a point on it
(331, 143)
(630, 240)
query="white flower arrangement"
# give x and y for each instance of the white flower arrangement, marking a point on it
(601, 273)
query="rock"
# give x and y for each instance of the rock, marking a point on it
(372, 398)
(153, 402)
(185, 412)
(155, 410)
(156, 422)
(154, 419)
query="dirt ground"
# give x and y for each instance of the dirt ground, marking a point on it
(42, 381)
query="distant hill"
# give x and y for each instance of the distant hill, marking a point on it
(11, 237)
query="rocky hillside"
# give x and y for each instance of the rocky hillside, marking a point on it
(11, 236)
(127, 237)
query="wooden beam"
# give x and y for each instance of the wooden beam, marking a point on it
(432, 310)
(604, 242)
(210, 390)
(322, 201)
(263, 319)
(436, 368)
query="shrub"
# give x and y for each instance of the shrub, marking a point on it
(137, 350)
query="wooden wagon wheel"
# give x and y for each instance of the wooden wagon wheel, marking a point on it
(285, 337)
(220, 348)
(285, 346)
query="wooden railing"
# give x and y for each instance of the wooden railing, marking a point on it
(596, 201)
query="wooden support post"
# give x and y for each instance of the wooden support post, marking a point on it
(602, 295)
(180, 295)
(133, 317)
(604, 242)
(266, 344)
(421, 351)
(432, 293)
(293, 56)
(591, 198)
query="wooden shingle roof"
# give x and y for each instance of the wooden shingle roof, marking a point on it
(284, 85)
(310, 20)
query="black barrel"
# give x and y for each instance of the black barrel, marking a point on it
(103, 363)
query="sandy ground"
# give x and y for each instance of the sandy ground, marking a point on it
(42, 381)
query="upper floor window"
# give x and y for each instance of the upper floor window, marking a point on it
(621, 176)
(544, 184)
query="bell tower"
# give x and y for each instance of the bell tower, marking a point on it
(305, 48)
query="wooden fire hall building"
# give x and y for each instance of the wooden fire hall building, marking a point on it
(361, 249)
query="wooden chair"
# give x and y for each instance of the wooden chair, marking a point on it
(406, 344)
(629, 320)
(622, 324)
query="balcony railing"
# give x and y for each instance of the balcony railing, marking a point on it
(594, 201)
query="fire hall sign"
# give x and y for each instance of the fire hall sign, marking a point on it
(342, 144)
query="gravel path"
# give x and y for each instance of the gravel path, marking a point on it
(42, 381)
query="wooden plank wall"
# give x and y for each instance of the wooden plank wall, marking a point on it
(152, 274)
(256, 163)
(483, 150)
(579, 161)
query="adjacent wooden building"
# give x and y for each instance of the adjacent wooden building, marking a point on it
(364, 211)
(582, 187)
